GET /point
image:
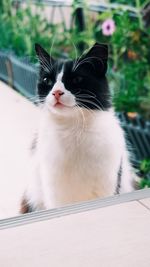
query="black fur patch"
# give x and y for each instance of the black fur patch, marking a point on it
(85, 78)
(25, 207)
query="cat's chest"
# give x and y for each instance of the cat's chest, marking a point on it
(77, 165)
(68, 148)
(71, 149)
(76, 157)
(75, 168)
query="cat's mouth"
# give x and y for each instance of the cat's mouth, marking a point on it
(59, 105)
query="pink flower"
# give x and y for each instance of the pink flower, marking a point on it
(108, 27)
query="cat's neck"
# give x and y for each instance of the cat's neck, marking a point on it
(81, 118)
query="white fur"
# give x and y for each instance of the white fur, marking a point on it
(67, 99)
(78, 154)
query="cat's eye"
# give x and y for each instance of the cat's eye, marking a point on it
(77, 79)
(48, 81)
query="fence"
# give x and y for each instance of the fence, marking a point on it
(24, 77)
(19, 74)
(138, 133)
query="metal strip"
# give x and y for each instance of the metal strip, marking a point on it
(73, 209)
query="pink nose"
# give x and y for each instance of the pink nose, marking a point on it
(58, 94)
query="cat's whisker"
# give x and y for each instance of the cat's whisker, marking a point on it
(77, 60)
(87, 59)
(90, 102)
(82, 62)
(82, 117)
(46, 66)
(90, 92)
(76, 52)
(78, 92)
(92, 95)
(53, 41)
(92, 113)
(33, 97)
(49, 64)
(36, 100)
(79, 134)
(96, 105)
(84, 100)
(99, 102)
(44, 63)
(85, 96)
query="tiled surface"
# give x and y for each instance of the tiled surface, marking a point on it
(18, 121)
(115, 236)
(146, 202)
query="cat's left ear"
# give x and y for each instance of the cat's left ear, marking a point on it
(44, 58)
(98, 56)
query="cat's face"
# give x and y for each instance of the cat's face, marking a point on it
(66, 85)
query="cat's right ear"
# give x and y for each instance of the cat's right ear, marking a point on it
(44, 58)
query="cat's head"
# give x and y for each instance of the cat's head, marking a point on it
(65, 85)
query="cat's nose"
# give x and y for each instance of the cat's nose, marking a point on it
(57, 94)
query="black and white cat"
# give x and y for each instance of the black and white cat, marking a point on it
(80, 151)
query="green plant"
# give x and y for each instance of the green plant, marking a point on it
(129, 71)
(22, 27)
(145, 171)
(129, 61)
(127, 2)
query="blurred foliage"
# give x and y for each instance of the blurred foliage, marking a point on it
(21, 28)
(129, 64)
(129, 61)
(145, 173)
(128, 2)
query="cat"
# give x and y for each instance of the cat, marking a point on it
(80, 151)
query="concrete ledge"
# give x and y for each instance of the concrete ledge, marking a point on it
(74, 208)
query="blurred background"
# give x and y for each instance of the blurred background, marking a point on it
(66, 29)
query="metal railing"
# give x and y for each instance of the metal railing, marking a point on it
(20, 75)
(138, 133)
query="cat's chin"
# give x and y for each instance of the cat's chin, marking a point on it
(59, 105)
(61, 109)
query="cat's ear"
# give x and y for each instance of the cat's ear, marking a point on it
(99, 50)
(44, 58)
(98, 56)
